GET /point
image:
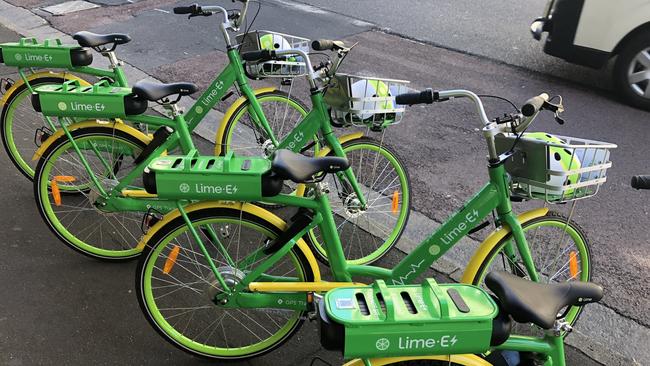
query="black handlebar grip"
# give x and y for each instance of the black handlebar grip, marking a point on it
(262, 55)
(533, 105)
(641, 181)
(425, 96)
(192, 9)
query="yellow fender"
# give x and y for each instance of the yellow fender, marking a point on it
(37, 75)
(246, 207)
(492, 240)
(118, 125)
(230, 112)
(467, 360)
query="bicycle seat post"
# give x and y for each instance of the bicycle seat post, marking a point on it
(112, 58)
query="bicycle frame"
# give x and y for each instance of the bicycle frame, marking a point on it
(493, 196)
(183, 124)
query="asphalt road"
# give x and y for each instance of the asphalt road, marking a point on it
(495, 29)
(65, 306)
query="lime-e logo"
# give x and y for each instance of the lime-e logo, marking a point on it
(184, 187)
(226, 189)
(62, 106)
(449, 237)
(31, 57)
(382, 344)
(87, 107)
(297, 138)
(213, 93)
(420, 343)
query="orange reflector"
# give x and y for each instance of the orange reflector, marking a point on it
(573, 264)
(64, 178)
(171, 259)
(395, 205)
(56, 192)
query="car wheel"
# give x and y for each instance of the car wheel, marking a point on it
(632, 71)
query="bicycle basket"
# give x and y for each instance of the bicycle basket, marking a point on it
(365, 101)
(555, 168)
(290, 67)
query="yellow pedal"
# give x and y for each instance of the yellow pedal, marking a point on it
(299, 286)
(137, 193)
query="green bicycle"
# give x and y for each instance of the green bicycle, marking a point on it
(230, 280)
(97, 205)
(451, 324)
(23, 130)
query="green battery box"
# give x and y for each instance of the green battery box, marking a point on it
(99, 100)
(207, 177)
(411, 320)
(28, 52)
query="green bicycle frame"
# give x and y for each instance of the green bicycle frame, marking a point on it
(183, 125)
(493, 196)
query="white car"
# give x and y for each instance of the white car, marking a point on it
(590, 32)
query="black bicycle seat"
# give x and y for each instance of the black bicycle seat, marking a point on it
(301, 169)
(156, 91)
(539, 303)
(89, 39)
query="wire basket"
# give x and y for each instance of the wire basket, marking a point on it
(292, 66)
(365, 101)
(555, 168)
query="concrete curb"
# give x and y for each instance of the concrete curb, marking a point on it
(602, 334)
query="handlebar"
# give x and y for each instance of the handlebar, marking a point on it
(534, 104)
(641, 182)
(229, 22)
(529, 111)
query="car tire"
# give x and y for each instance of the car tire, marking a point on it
(634, 58)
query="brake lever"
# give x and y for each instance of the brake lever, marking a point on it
(557, 109)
